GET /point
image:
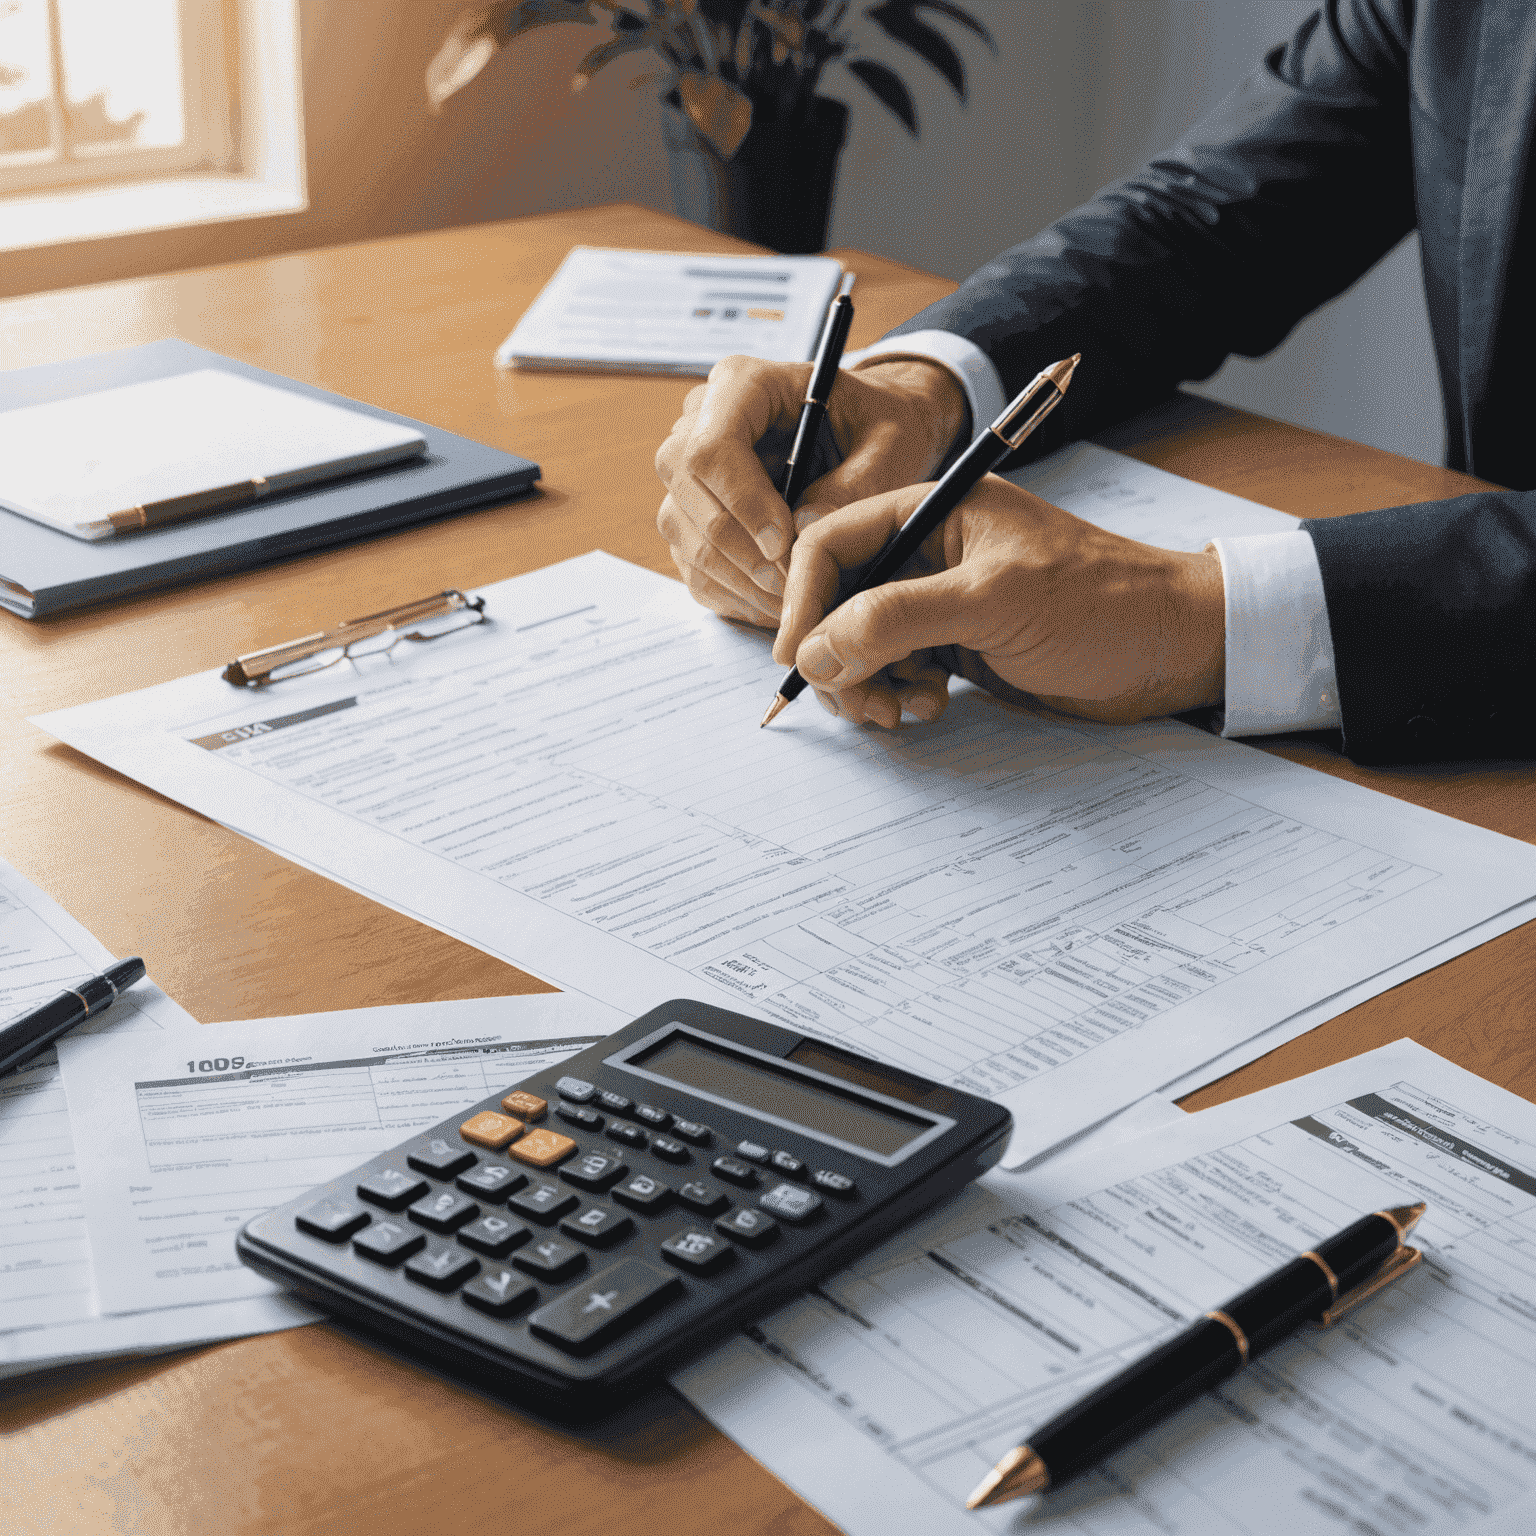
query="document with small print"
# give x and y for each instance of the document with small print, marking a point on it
(1062, 915)
(190, 1138)
(886, 1395)
(48, 1301)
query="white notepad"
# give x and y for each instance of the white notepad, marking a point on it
(74, 464)
(665, 312)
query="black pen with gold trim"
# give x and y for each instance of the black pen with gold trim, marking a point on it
(1320, 1286)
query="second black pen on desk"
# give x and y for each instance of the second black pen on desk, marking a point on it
(993, 444)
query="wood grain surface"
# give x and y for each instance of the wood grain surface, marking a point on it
(310, 1430)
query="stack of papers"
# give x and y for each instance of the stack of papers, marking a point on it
(657, 312)
(125, 1176)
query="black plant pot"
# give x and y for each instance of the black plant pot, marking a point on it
(776, 190)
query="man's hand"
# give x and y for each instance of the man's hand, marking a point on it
(729, 531)
(1012, 593)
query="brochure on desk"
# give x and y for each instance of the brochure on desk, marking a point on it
(44, 571)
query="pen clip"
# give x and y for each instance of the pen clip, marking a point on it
(1396, 1266)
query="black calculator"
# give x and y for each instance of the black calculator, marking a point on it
(576, 1238)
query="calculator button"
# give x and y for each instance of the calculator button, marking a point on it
(551, 1259)
(595, 1171)
(838, 1184)
(494, 1236)
(615, 1103)
(606, 1305)
(577, 1091)
(488, 1129)
(443, 1269)
(439, 1158)
(791, 1203)
(644, 1194)
(491, 1182)
(630, 1135)
(700, 1253)
(334, 1220)
(446, 1210)
(668, 1150)
(543, 1148)
(752, 1151)
(391, 1189)
(544, 1203)
(387, 1242)
(789, 1165)
(578, 1114)
(524, 1105)
(749, 1227)
(702, 1196)
(500, 1292)
(657, 1119)
(598, 1226)
(691, 1130)
(735, 1171)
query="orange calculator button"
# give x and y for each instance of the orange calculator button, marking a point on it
(529, 1106)
(543, 1149)
(488, 1129)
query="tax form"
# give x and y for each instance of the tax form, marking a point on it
(48, 1304)
(1061, 915)
(885, 1396)
(193, 1136)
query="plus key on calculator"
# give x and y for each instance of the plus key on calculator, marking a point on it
(572, 1239)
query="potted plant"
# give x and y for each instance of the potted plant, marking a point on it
(752, 149)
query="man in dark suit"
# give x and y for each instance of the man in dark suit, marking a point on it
(1411, 628)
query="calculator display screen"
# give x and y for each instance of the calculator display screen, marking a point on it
(760, 1087)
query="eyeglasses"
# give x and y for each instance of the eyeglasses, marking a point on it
(434, 618)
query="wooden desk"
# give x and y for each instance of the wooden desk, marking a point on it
(305, 1431)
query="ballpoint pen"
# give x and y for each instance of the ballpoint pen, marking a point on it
(1321, 1285)
(23, 1038)
(829, 355)
(1023, 414)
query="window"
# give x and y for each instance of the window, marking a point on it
(113, 91)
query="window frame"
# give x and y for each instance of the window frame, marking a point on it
(209, 76)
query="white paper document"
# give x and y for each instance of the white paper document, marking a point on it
(48, 1306)
(671, 312)
(1138, 501)
(192, 1137)
(886, 1395)
(1064, 916)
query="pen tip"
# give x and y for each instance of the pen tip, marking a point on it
(846, 286)
(1020, 1472)
(1405, 1217)
(779, 702)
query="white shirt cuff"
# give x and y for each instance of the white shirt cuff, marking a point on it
(1279, 647)
(969, 364)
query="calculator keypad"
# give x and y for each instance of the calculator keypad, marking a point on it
(542, 1149)
(445, 1210)
(491, 1183)
(630, 1135)
(610, 1302)
(668, 1150)
(736, 1171)
(387, 1242)
(551, 1258)
(333, 1220)
(441, 1269)
(500, 1292)
(789, 1202)
(522, 1105)
(595, 1171)
(490, 1130)
(644, 1194)
(598, 1225)
(692, 1131)
(753, 1228)
(580, 1116)
(391, 1189)
(440, 1158)
(543, 1203)
(700, 1253)
(702, 1196)
(494, 1236)
(836, 1184)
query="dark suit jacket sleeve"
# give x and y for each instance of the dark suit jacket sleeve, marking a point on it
(1279, 199)
(1433, 614)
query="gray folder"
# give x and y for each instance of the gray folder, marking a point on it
(45, 571)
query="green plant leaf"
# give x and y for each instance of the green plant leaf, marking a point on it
(631, 35)
(899, 19)
(888, 89)
(717, 109)
(954, 12)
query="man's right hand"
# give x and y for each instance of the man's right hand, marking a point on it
(728, 529)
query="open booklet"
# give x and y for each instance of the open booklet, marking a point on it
(886, 1395)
